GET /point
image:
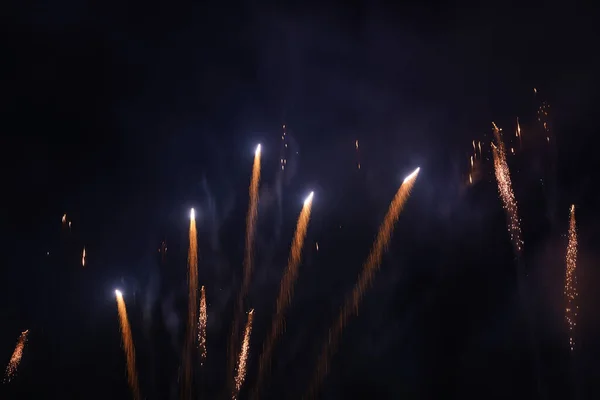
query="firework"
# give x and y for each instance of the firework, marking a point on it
(243, 359)
(286, 290)
(248, 254)
(571, 279)
(83, 258)
(15, 359)
(64, 219)
(192, 306)
(364, 280)
(128, 346)
(505, 190)
(202, 319)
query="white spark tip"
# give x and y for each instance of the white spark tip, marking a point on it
(257, 152)
(192, 214)
(412, 175)
(309, 198)
(118, 293)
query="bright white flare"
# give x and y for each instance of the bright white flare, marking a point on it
(257, 152)
(118, 293)
(412, 175)
(309, 198)
(192, 214)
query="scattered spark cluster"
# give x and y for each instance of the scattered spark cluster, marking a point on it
(202, 319)
(571, 279)
(128, 347)
(286, 289)
(505, 189)
(243, 359)
(284, 145)
(15, 359)
(370, 266)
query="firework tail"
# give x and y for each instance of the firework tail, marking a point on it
(15, 359)
(570, 292)
(128, 347)
(286, 291)
(364, 281)
(190, 336)
(509, 203)
(240, 375)
(248, 261)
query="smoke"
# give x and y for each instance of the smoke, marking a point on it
(213, 217)
(171, 320)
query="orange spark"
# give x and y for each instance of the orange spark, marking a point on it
(15, 359)
(248, 254)
(370, 266)
(192, 307)
(505, 190)
(571, 279)
(243, 359)
(202, 319)
(286, 290)
(128, 346)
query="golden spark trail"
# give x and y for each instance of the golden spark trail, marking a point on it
(15, 359)
(202, 319)
(571, 279)
(241, 366)
(370, 266)
(505, 190)
(128, 346)
(192, 307)
(248, 255)
(286, 291)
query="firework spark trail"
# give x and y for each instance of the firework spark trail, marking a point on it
(83, 258)
(248, 255)
(370, 266)
(15, 359)
(192, 307)
(571, 279)
(286, 291)
(243, 359)
(202, 319)
(505, 190)
(128, 346)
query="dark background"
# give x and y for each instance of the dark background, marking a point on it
(124, 115)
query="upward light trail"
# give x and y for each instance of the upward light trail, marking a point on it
(370, 266)
(128, 346)
(571, 279)
(286, 291)
(192, 308)
(248, 256)
(240, 376)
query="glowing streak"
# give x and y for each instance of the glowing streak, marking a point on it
(128, 347)
(470, 179)
(243, 359)
(356, 144)
(202, 319)
(505, 190)
(64, 218)
(473, 145)
(286, 292)
(248, 258)
(192, 308)
(471, 162)
(370, 266)
(479, 149)
(15, 359)
(83, 258)
(571, 279)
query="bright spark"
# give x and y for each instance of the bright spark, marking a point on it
(412, 175)
(309, 198)
(192, 214)
(83, 258)
(118, 293)
(257, 151)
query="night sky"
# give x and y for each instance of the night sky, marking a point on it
(125, 115)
